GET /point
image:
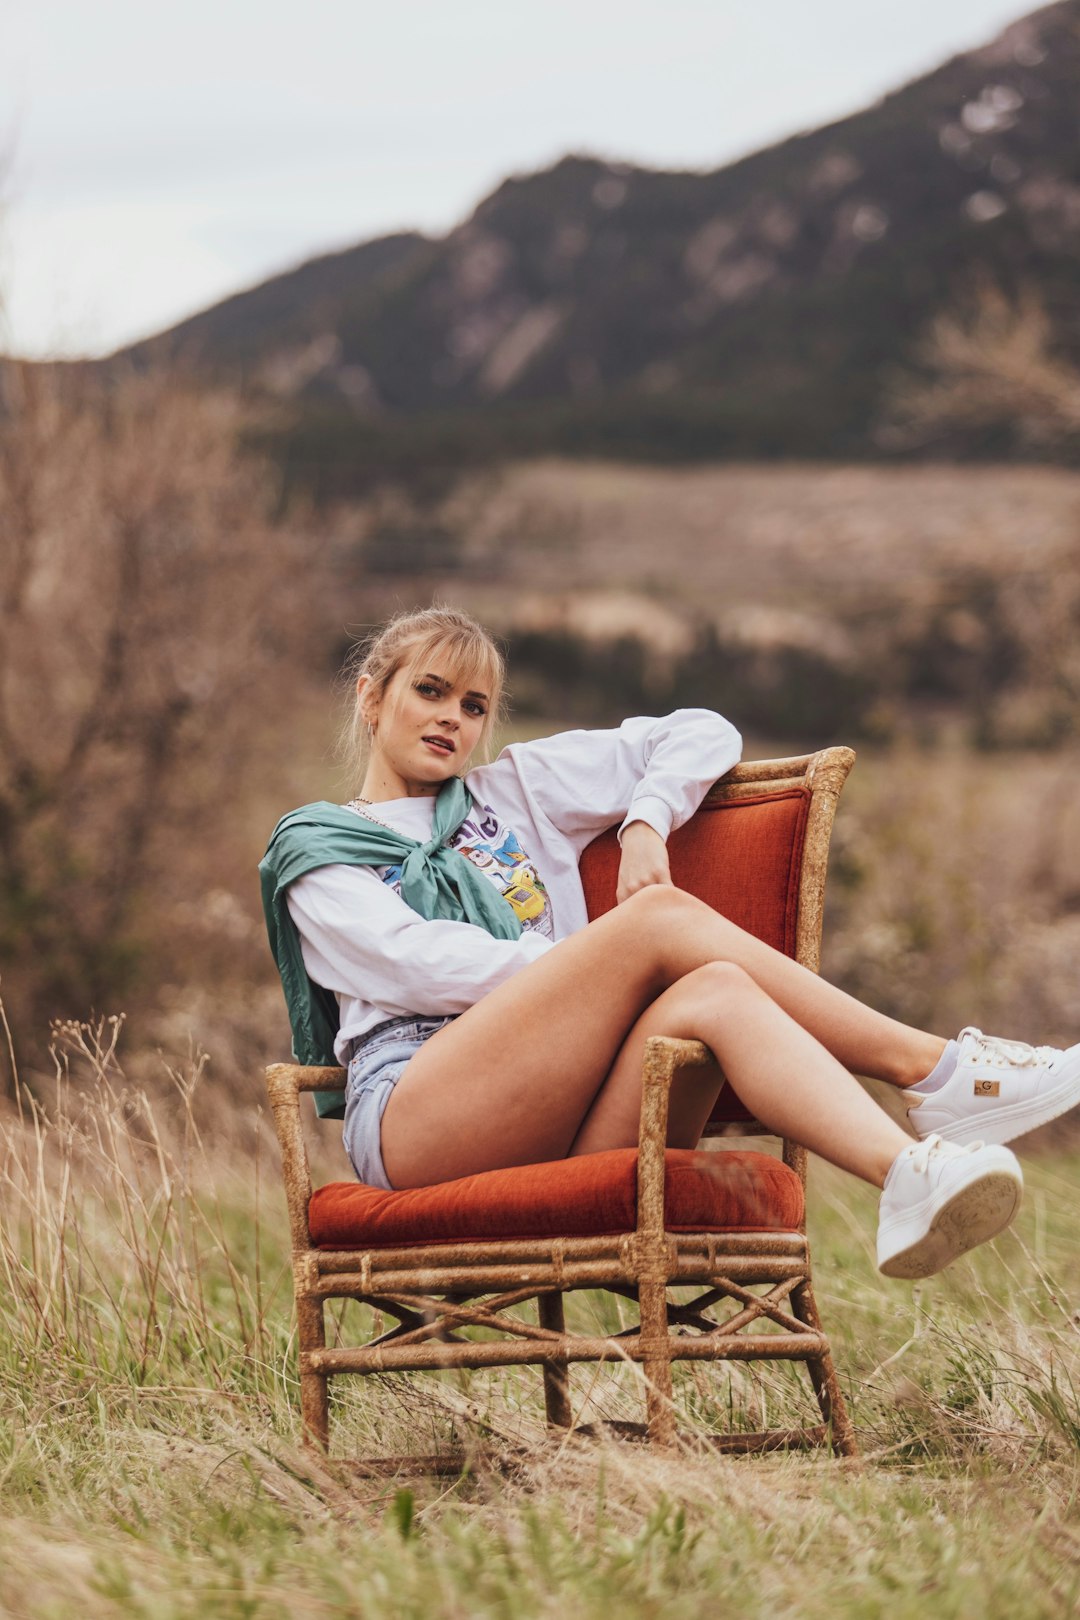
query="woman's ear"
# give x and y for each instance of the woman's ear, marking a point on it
(367, 701)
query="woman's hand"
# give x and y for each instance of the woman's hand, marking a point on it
(644, 860)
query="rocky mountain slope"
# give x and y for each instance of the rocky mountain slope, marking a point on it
(766, 308)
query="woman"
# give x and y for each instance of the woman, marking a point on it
(434, 933)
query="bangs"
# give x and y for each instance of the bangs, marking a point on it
(461, 657)
(440, 641)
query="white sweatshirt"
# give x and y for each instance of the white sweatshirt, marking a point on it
(383, 960)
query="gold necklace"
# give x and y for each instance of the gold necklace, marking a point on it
(369, 814)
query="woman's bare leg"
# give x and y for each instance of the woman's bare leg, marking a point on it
(862, 1040)
(784, 1076)
(513, 1079)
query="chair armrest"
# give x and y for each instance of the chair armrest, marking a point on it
(300, 1078)
(285, 1082)
(664, 1056)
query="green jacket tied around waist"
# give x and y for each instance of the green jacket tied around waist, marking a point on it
(436, 881)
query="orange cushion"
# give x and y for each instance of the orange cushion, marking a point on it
(588, 1196)
(743, 857)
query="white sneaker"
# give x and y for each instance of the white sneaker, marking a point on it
(941, 1200)
(998, 1090)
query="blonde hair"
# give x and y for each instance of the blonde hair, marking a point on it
(444, 635)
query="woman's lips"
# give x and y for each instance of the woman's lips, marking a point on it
(442, 745)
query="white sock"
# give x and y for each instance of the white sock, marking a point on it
(942, 1072)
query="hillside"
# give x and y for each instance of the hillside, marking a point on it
(762, 309)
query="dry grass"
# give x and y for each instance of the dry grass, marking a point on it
(149, 1451)
(954, 891)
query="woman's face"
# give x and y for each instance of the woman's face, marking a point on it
(426, 725)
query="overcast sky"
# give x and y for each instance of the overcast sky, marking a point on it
(156, 158)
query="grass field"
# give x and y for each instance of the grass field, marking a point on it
(149, 1441)
(150, 1456)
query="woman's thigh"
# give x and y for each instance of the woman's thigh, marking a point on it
(510, 1081)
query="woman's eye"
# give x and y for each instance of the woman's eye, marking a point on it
(426, 689)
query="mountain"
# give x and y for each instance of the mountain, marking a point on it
(762, 309)
(269, 325)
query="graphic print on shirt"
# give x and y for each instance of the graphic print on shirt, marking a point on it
(496, 850)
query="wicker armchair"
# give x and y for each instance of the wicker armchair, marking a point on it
(443, 1260)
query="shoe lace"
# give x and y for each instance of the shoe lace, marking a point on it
(1017, 1054)
(936, 1147)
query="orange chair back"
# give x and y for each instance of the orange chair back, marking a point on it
(744, 858)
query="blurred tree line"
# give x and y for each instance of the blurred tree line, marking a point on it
(1000, 658)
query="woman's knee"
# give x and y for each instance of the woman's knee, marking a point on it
(646, 923)
(655, 907)
(653, 923)
(716, 982)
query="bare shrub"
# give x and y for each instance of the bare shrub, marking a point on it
(149, 599)
(989, 363)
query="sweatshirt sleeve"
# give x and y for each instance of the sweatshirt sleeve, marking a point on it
(360, 939)
(652, 770)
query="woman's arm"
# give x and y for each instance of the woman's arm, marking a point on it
(361, 939)
(644, 860)
(650, 771)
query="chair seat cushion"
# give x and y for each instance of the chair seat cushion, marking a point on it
(593, 1195)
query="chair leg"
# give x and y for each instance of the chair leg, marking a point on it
(314, 1386)
(656, 1362)
(556, 1374)
(823, 1377)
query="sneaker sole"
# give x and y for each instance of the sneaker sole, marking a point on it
(1000, 1125)
(971, 1216)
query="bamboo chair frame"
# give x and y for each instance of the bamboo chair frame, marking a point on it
(435, 1290)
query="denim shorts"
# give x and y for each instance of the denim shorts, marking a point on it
(374, 1070)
